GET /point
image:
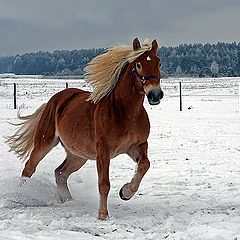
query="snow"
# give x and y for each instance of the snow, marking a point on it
(192, 190)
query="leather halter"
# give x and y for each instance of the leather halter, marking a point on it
(144, 78)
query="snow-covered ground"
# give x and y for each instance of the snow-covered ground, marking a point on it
(191, 192)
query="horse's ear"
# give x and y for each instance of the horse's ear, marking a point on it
(136, 44)
(154, 46)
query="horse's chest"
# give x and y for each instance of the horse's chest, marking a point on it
(121, 131)
(124, 140)
(121, 145)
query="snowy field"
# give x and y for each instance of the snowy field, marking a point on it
(191, 191)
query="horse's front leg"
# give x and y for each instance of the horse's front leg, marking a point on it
(139, 155)
(103, 161)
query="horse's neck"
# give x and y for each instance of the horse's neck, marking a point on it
(126, 95)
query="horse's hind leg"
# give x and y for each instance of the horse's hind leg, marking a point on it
(139, 155)
(40, 150)
(71, 164)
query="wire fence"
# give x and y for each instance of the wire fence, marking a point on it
(23, 90)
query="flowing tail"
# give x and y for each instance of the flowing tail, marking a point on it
(22, 141)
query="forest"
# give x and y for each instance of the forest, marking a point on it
(193, 60)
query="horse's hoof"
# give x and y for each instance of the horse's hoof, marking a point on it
(64, 199)
(64, 195)
(23, 181)
(103, 216)
(122, 196)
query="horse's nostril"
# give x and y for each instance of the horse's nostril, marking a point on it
(150, 95)
(154, 96)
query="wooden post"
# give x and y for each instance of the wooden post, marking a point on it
(14, 96)
(66, 85)
(180, 90)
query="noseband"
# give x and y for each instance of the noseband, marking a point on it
(143, 79)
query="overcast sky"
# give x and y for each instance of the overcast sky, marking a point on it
(33, 25)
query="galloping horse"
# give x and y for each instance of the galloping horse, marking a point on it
(99, 125)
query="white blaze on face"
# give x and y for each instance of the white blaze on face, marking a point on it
(148, 58)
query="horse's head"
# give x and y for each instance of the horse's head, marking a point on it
(146, 70)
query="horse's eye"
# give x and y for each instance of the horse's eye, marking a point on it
(138, 65)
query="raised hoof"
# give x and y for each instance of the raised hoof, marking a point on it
(121, 195)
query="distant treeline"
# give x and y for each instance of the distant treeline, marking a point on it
(200, 60)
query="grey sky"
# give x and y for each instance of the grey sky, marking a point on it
(33, 25)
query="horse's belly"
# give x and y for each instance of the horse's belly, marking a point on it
(80, 146)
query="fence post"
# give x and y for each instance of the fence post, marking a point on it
(66, 85)
(14, 96)
(180, 90)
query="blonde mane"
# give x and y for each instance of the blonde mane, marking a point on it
(104, 70)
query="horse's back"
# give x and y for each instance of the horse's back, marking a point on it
(66, 95)
(58, 103)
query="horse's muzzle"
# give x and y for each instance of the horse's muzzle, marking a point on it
(154, 96)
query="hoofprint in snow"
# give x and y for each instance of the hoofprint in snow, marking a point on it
(192, 190)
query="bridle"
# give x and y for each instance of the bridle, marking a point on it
(143, 79)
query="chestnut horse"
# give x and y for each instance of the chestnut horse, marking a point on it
(99, 125)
